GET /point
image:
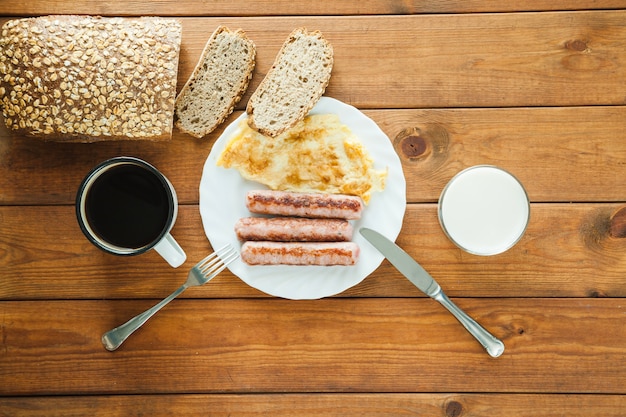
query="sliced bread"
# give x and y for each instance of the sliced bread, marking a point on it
(217, 83)
(294, 84)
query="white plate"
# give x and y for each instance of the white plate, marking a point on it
(222, 203)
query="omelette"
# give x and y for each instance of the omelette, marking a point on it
(319, 154)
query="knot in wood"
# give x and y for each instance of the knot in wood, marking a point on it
(413, 146)
(454, 409)
(597, 294)
(576, 45)
(412, 143)
(427, 145)
(617, 225)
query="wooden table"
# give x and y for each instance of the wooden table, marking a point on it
(538, 89)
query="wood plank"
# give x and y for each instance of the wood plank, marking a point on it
(327, 405)
(559, 154)
(397, 345)
(289, 7)
(484, 60)
(464, 60)
(567, 251)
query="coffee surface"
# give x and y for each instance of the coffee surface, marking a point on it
(128, 206)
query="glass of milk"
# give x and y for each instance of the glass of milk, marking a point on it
(484, 210)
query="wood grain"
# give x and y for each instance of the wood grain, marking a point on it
(469, 60)
(348, 345)
(534, 87)
(465, 60)
(317, 405)
(290, 7)
(560, 154)
(567, 251)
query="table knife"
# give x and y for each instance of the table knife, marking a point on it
(403, 262)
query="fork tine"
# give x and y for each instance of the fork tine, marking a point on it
(230, 257)
(219, 262)
(212, 258)
(218, 267)
(205, 260)
(216, 259)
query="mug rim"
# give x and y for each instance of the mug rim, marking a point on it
(92, 176)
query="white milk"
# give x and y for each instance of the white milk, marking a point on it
(484, 210)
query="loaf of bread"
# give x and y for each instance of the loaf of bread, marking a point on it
(217, 83)
(86, 79)
(294, 84)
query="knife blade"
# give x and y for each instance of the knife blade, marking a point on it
(415, 273)
(403, 262)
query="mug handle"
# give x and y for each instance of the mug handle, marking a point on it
(171, 251)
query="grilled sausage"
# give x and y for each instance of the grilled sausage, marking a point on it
(317, 205)
(293, 229)
(296, 253)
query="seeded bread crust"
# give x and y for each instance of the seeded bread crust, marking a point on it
(218, 82)
(294, 84)
(86, 79)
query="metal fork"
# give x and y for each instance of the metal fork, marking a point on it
(200, 274)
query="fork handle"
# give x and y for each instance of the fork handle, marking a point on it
(114, 338)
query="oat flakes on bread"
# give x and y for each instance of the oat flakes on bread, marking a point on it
(217, 83)
(88, 78)
(293, 85)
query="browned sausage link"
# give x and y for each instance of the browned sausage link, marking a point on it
(293, 229)
(318, 205)
(296, 253)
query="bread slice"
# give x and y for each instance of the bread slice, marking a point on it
(294, 84)
(217, 83)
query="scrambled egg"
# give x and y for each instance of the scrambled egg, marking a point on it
(319, 154)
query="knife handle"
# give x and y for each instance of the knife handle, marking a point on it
(492, 344)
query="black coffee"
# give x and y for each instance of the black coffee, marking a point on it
(128, 206)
